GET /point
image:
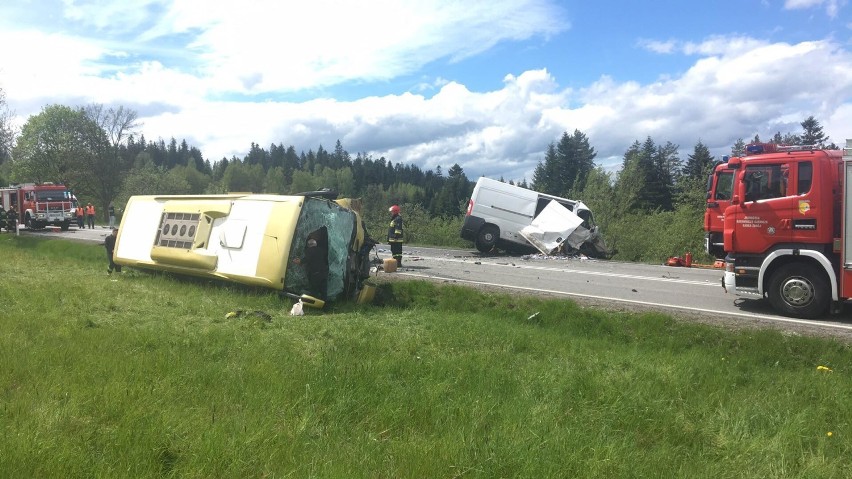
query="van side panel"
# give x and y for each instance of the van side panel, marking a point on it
(508, 207)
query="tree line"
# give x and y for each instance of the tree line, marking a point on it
(100, 154)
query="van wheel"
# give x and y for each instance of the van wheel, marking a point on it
(487, 238)
(799, 290)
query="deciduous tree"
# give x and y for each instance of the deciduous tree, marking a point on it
(7, 129)
(59, 144)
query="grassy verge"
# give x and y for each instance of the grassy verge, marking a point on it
(142, 375)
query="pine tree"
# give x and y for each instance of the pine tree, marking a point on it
(667, 169)
(583, 157)
(545, 174)
(791, 139)
(738, 149)
(566, 165)
(813, 134)
(630, 182)
(698, 164)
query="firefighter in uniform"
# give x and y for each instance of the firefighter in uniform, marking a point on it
(12, 219)
(395, 234)
(2, 218)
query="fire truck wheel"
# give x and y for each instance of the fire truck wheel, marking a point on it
(487, 238)
(799, 290)
(28, 221)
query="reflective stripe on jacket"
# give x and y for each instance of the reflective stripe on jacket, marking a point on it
(395, 230)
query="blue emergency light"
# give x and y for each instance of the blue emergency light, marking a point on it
(755, 149)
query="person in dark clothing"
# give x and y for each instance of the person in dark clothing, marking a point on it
(109, 244)
(395, 234)
(111, 211)
(315, 262)
(12, 219)
(2, 218)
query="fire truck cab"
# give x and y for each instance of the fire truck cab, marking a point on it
(719, 192)
(783, 230)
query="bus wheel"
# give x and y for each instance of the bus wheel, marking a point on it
(487, 238)
(800, 290)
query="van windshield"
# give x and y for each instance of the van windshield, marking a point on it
(588, 220)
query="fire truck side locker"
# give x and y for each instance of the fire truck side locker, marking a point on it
(846, 241)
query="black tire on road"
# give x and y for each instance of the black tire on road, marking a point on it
(65, 225)
(486, 239)
(800, 290)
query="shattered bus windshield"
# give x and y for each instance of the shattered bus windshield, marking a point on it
(323, 236)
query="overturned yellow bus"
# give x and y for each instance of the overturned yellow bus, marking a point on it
(305, 246)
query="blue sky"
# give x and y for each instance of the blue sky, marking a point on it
(485, 84)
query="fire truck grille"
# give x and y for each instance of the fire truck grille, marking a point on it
(177, 230)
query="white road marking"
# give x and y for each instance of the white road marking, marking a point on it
(644, 303)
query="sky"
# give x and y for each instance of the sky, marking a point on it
(487, 85)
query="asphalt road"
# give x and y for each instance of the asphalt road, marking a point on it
(94, 235)
(690, 291)
(678, 290)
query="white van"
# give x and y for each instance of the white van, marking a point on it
(497, 212)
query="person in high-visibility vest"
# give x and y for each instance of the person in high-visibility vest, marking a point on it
(395, 234)
(90, 215)
(80, 212)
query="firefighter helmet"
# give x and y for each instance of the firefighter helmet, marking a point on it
(394, 209)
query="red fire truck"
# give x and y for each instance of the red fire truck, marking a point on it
(788, 230)
(39, 205)
(719, 185)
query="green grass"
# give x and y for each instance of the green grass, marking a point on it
(142, 375)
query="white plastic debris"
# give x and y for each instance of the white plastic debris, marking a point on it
(297, 309)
